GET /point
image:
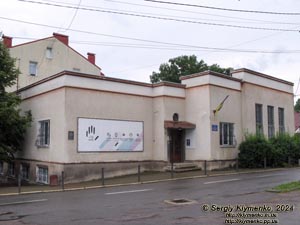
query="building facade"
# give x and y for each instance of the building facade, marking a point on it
(42, 58)
(84, 121)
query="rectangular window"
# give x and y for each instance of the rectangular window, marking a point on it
(44, 133)
(25, 171)
(226, 134)
(259, 118)
(42, 175)
(49, 53)
(271, 129)
(281, 120)
(1, 168)
(188, 142)
(33, 68)
(11, 169)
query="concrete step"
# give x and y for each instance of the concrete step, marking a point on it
(182, 167)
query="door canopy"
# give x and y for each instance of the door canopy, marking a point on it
(179, 125)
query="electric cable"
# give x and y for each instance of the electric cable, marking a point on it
(167, 18)
(227, 9)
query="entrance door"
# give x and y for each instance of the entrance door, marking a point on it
(176, 147)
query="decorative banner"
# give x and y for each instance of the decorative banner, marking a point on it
(98, 135)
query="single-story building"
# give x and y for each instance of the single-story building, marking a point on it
(84, 122)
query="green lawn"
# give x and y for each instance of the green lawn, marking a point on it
(292, 186)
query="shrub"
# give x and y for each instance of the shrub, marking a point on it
(295, 154)
(283, 148)
(253, 151)
(277, 150)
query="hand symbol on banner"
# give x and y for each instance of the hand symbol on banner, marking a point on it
(90, 133)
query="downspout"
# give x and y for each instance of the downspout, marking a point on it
(18, 73)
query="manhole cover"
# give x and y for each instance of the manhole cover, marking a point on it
(180, 201)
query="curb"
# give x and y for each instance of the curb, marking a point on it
(273, 191)
(145, 182)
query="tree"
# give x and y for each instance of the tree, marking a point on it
(181, 66)
(12, 124)
(297, 106)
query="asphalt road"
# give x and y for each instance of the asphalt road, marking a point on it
(146, 203)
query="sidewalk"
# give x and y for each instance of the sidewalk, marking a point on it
(145, 177)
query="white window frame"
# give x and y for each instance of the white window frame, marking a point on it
(281, 124)
(42, 174)
(227, 137)
(11, 169)
(33, 68)
(271, 127)
(25, 168)
(49, 53)
(259, 120)
(43, 138)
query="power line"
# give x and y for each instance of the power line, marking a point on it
(132, 69)
(182, 10)
(209, 14)
(183, 48)
(195, 48)
(227, 9)
(94, 33)
(75, 14)
(251, 21)
(253, 40)
(188, 11)
(166, 18)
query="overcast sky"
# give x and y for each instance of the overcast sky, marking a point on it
(131, 38)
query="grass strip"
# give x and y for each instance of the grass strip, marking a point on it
(287, 187)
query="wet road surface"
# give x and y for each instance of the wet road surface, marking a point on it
(152, 203)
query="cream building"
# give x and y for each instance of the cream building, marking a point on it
(84, 121)
(42, 58)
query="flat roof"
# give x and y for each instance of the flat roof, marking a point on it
(245, 70)
(209, 72)
(105, 78)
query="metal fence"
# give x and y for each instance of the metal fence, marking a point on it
(17, 185)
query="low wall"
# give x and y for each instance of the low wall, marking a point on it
(215, 164)
(92, 171)
(77, 172)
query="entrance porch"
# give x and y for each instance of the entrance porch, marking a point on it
(176, 139)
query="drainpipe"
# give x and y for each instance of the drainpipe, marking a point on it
(18, 74)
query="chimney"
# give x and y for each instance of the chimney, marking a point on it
(63, 38)
(7, 41)
(91, 58)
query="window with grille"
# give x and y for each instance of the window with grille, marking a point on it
(259, 118)
(281, 120)
(42, 174)
(226, 134)
(11, 169)
(271, 128)
(25, 171)
(44, 133)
